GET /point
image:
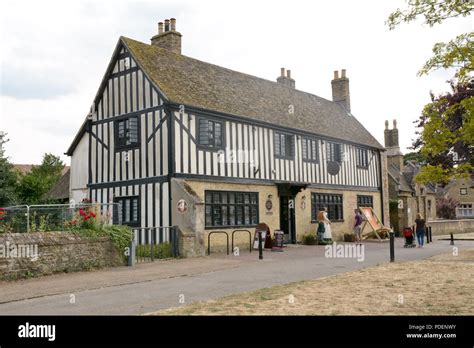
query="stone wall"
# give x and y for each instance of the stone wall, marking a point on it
(439, 227)
(33, 254)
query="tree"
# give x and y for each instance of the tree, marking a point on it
(8, 177)
(446, 208)
(40, 179)
(457, 53)
(446, 138)
(416, 157)
(447, 130)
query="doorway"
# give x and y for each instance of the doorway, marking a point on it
(287, 218)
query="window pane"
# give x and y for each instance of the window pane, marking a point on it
(224, 215)
(254, 215)
(218, 134)
(304, 143)
(239, 215)
(247, 215)
(232, 215)
(231, 198)
(253, 198)
(277, 144)
(314, 150)
(216, 198)
(217, 215)
(246, 198)
(127, 210)
(208, 215)
(203, 132)
(239, 198)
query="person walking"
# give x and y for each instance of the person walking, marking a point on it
(327, 237)
(358, 226)
(420, 230)
(321, 226)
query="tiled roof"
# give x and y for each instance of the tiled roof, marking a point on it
(191, 82)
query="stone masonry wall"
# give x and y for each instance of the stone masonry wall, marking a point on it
(52, 252)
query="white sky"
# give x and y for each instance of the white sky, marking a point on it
(54, 54)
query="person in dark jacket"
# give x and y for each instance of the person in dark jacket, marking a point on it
(420, 230)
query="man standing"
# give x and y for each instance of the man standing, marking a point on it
(358, 226)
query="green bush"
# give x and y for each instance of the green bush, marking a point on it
(309, 239)
(160, 251)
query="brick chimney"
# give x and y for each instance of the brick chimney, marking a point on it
(340, 90)
(394, 155)
(167, 37)
(286, 80)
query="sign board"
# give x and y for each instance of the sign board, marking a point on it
(266, 236)
(279, 236)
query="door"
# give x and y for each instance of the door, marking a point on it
(287, 218)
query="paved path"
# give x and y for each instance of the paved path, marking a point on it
(162, 284)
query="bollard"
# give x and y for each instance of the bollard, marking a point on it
(392, 246)
(431, 235)
(452, 239)
(131, 254)
(260, 249)
(427, 235)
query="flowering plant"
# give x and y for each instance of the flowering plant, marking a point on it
(84, 219)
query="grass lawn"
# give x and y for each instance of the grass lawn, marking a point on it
(442, 285)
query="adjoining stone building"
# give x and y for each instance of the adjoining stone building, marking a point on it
(411, 197)
(178, 141)
(462, 191)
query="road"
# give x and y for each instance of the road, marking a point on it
(163, 284)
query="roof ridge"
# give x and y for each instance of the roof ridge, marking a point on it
(232, 70)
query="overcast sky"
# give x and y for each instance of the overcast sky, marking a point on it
(54, 55)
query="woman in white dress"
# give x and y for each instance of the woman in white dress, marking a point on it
(327, 237)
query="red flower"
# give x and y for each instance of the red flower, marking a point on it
(82, 213)
(92, 214)
(86, 218)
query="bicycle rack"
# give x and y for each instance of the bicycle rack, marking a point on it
(250, 239)
(209, 241)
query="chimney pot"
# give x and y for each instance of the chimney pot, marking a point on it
(386, 124)
(167, 37)
(394, 124)
(282, 72)
(288, 74)
(340, 90)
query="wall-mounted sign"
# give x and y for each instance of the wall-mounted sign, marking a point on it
(269, 204)
(182, 206)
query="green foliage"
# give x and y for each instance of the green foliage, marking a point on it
(415, 157)
(433, 11)
(309, 239)
(8, 177)
(160, 251)
(446, 208)
(457, 53)
(33, 185)
(446, 139)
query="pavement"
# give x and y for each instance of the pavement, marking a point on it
(163, 284)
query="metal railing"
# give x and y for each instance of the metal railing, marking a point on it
(53, 217)
(150, 243)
